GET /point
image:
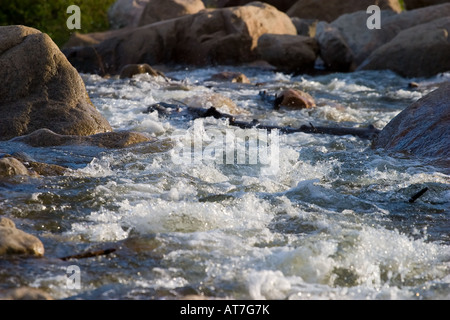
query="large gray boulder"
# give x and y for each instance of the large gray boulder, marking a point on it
(41, 89)
(422, 129)
(126, 13)
(420, 51)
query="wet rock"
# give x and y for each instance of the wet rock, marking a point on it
(159, 10)
(130, 70)
(229, 76)
(420, 51)
(15, 241)
(218, 101)
(220, 36)
(126, 13)
(422, 129)
(290, 53)
(294, 99)
(114, 140)
(10, 167)
(415, 4)
(40, 89)
(24, 293)
(329, 10)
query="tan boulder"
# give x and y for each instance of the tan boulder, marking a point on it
(422, 129)
(220, 36)
(420, 51)
(229, 76)
(290, 53)
(10, 167)
(160, 10)
(48, 138)
(40, 88)
(130, 70)
(329, 10)
(15, 241)
(282, 5)
(294, 99)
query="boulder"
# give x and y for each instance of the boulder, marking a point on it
(294, 99)
(420, 51)
(392, 25)
(115, 140)
(15, 241)
(422, 129)
(24, 293)
(305, 27)
(126, 13)
(344, 47)
(40, 88)
(160, 10)
(10, 167)
(329, 10)
(130, 70)
(289, 53)
(415, 4)
(220, 36)
(229, 76)
(282, 5)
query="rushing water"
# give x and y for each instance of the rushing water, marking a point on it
(332, 222)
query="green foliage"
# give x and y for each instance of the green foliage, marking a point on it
(402, 4)
(51, 16)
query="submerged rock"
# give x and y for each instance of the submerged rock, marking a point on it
(228, 76)
(40, 88)
(130, 70)
(10, 167)
(15, 241)
(219, 36)
(294, 99)
(422, 129)
(24, 293)
(114, 140)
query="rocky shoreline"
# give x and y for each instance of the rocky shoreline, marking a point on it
(44, 102)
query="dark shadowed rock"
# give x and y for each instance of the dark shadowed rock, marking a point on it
(126, 13)
(415, 4)
(48, 138)
(420, 51)
(329, 10)
(221, 36)
(40, 89)
(289, 53)
(15, 241)
(422, 129)
(160, 10)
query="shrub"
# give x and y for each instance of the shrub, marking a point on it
(51, 16)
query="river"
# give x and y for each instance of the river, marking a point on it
(325, 217)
